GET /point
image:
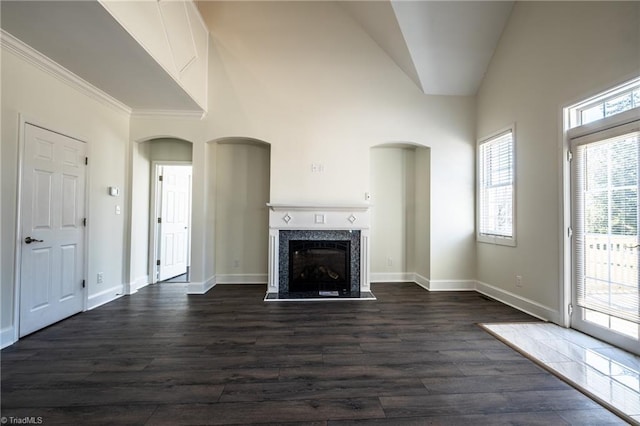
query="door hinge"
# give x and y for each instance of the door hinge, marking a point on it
(86, 161)
(570, 309)
(83, 284)
(569, 232)
(160, 178)
(159, 220)
(569, 156)
(84, 222)
(158, 262)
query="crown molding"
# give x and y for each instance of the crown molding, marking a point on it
(29, 54)
(168, 113)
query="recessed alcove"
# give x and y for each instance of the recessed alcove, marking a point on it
(400, 213)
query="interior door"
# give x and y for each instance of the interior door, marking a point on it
(174, 221)
(52, 234)
(605, 182)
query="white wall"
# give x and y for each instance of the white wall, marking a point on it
(392, 193)
(242, 220)
(41, 97)
(165, 149)
(140, 205)
(304, 77)
(422, 213)
(551, 54)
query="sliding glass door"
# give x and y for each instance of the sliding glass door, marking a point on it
(606, 243)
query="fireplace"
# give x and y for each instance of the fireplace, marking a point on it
(318, 252)
(320, 267)
(318, 263)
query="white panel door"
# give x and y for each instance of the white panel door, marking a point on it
(174, 221)
(52, 233)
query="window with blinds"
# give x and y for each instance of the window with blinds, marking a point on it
(496, 191)
(606, 226)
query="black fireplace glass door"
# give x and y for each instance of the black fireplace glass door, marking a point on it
(320, 267)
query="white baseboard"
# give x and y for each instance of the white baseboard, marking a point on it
(201, 287)
(241, 279)
(421, 281)
(137, 284)
(7, 337)
(105, 296)
(431, 285)
(452, 285)
(521, 303)
(391, 277)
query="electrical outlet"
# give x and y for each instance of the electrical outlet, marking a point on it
(389, 261)
(100, 277)
(236, 263)
(518, 280)
(317, 167)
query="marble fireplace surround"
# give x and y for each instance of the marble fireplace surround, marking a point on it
(318, 222)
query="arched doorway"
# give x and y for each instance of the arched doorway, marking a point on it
(155, 211)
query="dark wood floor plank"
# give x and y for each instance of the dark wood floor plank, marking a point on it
(162, 357)
(316, 389)
(507, 419)
(227, 413)
(107, 415)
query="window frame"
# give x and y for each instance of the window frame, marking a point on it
(576, 110)
(509, 241)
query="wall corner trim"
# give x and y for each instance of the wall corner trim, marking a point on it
(521, 303)
(7, 337)
(105, 296)
(392, 277)
(241, 279)
(201, 287)
(137, 284)
(452, 285)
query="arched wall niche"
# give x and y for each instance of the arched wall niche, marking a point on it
(239, 184)
(400, 182)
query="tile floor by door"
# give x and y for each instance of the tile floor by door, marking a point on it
(608, 374)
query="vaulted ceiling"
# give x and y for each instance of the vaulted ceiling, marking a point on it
(443, 46)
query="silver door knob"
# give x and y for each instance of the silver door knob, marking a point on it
(30, 240)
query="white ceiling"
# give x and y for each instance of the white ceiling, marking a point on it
(443, 46)
(85, 39)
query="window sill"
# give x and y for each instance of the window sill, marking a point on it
(498, 241)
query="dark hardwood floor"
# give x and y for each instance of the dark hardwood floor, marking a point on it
(161, 357)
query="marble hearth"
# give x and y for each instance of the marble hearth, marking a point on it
(319, 227)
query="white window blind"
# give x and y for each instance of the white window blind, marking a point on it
(606, 225)
(496, 189)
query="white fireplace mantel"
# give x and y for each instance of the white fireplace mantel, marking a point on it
(318, 217)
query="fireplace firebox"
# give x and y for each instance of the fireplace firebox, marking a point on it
(318, 263)
(321, 267)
